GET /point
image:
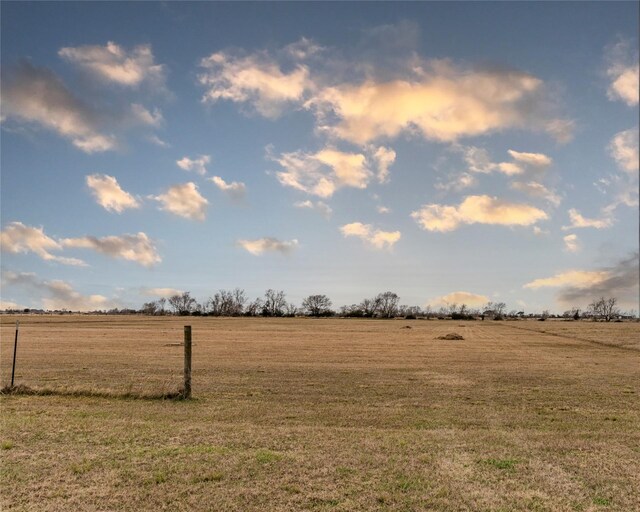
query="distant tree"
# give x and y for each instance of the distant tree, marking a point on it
(253, 308)
(149, 308)
(274, 303)
(162, 304)
(182, 303)
(370, 307)
(227, 303)
(290, 309)
(605, 308)
(388, 304)
(317, 305)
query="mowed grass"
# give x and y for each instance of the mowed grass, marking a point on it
(302, 414)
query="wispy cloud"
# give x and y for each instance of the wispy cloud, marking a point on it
(160, 292)
(477, 210)
(36, 95)
(571, 243)
(114, 64)
(183, 200)
(319, 206)
(109, 194)
(56, 294)
(138, 248)
(472, 300)
(624, 150)
(372, 236)
(268, 244)
(235, 189)
(579, 221)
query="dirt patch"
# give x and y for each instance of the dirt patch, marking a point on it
(451, 336)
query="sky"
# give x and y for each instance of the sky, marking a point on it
(450, 152)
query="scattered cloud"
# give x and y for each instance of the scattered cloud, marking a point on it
(571, 243)
(536, 189)
(268, 244)
(624, 150)
(138, 248)
(578, 221)
(477, 210)
(36, 95)
(384, 157)
(7, 305)
(374, 237)
(324, 172)
(472, 300)
(622, 70)
(56, 294)
(197, 165)
(318, 206)
(479, 161)
(183, 200)
(583, 286)
(140, 115)
(154, 139)
(114, 64)
(257, 80)
(383, 209)
(109, 194)
(457, 183)
(160, 292)
(235, 189)
(19, 238)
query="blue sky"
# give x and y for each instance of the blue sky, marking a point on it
(450, 152)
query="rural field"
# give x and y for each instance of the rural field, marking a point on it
(329, 414)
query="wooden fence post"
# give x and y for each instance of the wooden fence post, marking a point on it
(187, 362)
(15, 349)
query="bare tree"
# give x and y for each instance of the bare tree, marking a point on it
(274, 303)
(183, 303)
(317, 305)
(149, 308)
(388, 304)
(227, 303)
(370, 307)
(162, 304)
(605, 308)
(253, 308)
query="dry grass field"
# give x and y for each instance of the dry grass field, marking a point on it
(302, 414)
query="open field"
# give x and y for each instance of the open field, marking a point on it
(301, 414)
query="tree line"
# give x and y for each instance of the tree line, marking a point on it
(384, 305)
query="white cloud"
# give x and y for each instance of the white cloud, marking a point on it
(268, 244)
(154, 139)
(383, 209)
(324, 172)
(112, 63)
(460, 182)
(472, 300)
(375, 237)
(235, 189)
(37, 95)
(19, 238)
(624, 150)
(141, 115)
(384, 157)
(160, 292)
(477, 209)
(578, 221)
(440, 102)
(109, 194)
(7, 305)
(623, 71)
(57, 294)
(479, 161)
(138, 248)
(320, 206)
(571, 243)
(255, 79)
(573, 278)
(536, 189)
(197, 165)
(183, 200)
